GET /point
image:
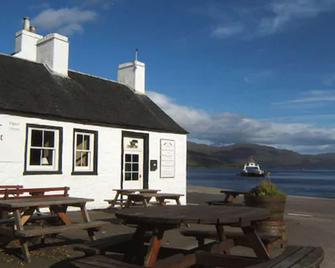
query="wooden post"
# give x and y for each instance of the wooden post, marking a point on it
(256, 242)
(153, 250)
(23, 242)
(86, 218)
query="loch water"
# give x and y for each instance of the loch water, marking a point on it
(315, 183)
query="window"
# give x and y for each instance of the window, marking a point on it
(85, 152)
(131, 172)
(43, 151)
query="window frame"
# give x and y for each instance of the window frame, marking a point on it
(94, 153)
(58, 146)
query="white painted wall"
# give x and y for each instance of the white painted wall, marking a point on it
(132, 74)
(98, 187)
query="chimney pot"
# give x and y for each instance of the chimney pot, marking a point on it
(26, 24)
(32, 29)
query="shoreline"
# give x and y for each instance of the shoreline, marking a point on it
(216, 190)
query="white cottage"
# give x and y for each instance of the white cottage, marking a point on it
(65, 128)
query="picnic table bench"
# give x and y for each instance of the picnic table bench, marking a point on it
(121, 193)
(103, 261)
(20, 192)
(239, 238)
(23, 211)
(293, 256)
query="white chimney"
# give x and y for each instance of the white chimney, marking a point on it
(53, 51)
(132, 74)
(25, 42)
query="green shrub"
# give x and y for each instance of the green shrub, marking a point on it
(265, 188)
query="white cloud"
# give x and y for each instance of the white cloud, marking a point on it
(286, 11)
(224, 31)
(64, 20)
(310, 97)
(268, 18)
(227, 128)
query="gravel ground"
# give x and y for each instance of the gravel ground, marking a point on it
(310, 221)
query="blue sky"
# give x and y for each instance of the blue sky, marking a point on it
(229, 71)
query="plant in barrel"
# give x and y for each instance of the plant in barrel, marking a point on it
(267, 195)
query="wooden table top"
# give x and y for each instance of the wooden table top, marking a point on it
(232, 192)
(167, 195)
(129, 191)
(41, 201)
(176, 215)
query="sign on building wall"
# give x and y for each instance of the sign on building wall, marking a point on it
(167, 159)
(1, 133)
(10, 139)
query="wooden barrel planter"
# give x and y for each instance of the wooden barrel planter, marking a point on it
(274, 225)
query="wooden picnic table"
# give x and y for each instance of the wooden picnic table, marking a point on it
(159, 219)
(229, 198)
(120, 193)
(23, 210)
(145, 199)
(162, 197)
(231, 195)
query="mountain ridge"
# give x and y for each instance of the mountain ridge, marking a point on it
(202, 155)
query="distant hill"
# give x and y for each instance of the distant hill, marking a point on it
(201, 155)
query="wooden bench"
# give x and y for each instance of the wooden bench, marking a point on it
(36, 232)
(117, 243)
(293, 256)
(10, 193)
(119, 202)
(11, 186)
(103, 261)
(238, 238)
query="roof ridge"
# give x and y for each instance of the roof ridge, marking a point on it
(105, 79)
(13, 57)
(95, 76)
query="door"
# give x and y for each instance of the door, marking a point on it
(132, 170)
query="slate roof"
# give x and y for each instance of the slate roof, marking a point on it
(28, 88)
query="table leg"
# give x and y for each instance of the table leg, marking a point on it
(115, 199)
(161, 201)
(146, 202)
(27, 215)
(23, 242)
(86, 218)
(136, 251)
(153, 250)
(221, 236)
(256, 242)
(60, 211)
(226, 198)
(178, 201)
(128, 203)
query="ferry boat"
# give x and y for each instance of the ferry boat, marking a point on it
(252, 169)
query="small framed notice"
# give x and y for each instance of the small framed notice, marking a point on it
(167, 158)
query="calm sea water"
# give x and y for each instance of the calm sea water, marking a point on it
(318, 183)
